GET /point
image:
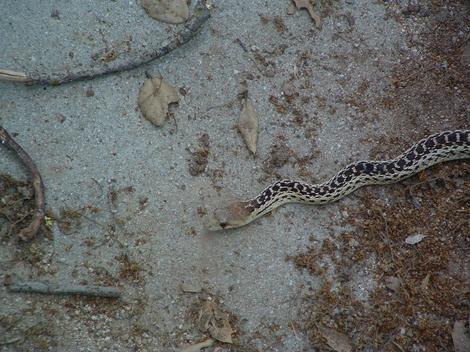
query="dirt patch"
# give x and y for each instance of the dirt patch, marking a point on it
(16, 206)
(383, 293)
(430, 90)
(433, 276)
(199, 157)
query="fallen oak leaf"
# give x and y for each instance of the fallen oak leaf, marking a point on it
(305, 4)
(154, 98)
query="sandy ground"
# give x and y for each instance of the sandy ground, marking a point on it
(325, 97)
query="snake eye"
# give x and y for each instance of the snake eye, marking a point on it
(223, 225)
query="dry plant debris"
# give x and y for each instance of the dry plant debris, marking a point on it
(16, 205)
(168, 11)
(154, 98)
(198, 163)
(248, 125)
(305, 4)
(216, 322)
(337, 341)
(419, 290)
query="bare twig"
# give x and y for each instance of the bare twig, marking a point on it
(55, 289)
(8, 75)
(190, 29)
(39, 200)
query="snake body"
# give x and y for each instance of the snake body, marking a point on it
(437, 148)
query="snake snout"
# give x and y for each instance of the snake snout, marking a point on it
(227, 217)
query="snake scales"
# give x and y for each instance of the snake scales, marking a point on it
(437, 148)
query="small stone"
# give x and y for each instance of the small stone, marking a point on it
(393, 283)
(55, 14)
(89, 92)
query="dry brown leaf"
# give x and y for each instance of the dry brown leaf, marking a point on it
(248, 125)
(393, 283)
(223, 333)
(168, 11)
(305, 4)
(154, 98)
(425, 282)
(460, 337)
(214, 321)
(198, 346)
(336, 340)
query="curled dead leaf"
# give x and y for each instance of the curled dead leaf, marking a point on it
(168, 11)
(336, 340)
(154, 98)
(305, 4)
(248, 125)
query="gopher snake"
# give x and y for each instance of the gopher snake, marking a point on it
(437, 148)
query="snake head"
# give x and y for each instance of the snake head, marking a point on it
(231, 216)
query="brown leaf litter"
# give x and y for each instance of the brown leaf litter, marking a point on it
(420, 290)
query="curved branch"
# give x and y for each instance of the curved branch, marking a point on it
(190, 29)
(39, 199)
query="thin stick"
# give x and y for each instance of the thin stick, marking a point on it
(38, 186)
(190, 29)
(8, 75)
(55, 289)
